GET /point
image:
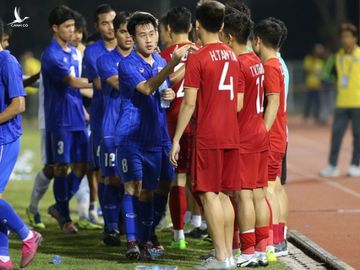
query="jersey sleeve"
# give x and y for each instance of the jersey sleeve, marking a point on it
(106, 68)
(12, 79)
(89, 67)
(272, 80)
(129, 75)
(241, 81)
(193, 72)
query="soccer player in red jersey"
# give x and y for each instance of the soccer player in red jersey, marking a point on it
(211, 83)
(179, 24)
(252, 209)
(267, 35)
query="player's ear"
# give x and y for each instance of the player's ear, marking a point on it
(197, 25)
(55, 28)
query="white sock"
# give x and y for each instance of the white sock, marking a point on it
(30, 235)
(83, 199)
(179, 234)
(270, 248)
(187, 216)
(196, 220)
(4, 259)
(41, 185)
(203, 225)
(247, 256)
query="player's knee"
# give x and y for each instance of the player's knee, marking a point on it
(61, 170)
(146, 195)
(79, 169)
(181, 179)
(48, 171)
(133, 188)
(112, 180)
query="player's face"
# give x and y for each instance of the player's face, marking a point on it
(146, 38)
(5, 41)
(76, 38)
(164, 35)
(105, 25)
(348, 41)
(124, 40)
(65, 31)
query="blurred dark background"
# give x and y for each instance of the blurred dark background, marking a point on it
(308, 21)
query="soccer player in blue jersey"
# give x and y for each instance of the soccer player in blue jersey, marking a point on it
(104, 16)
(139, 128)
(64, 114)
(107, 66)
(12, 104)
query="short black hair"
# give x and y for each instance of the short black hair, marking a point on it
(140, 18)
(269, 32)
(1, 28)
(101, 9)
(120, 18)
(80, 24)
(349, 27)
(60, 14)
(179, 19)
(211, 14)
(284, 30)
(164, 20)
(237, 24)
(93, 37)
(238, 5)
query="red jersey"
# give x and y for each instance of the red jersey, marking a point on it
(253, 134)
(214, 71)
(173, 112)
(274, 83)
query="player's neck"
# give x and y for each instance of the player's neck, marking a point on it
(180, 38)
(63, 44)
(147, 58)
(124, 52)
(110, 44)
(239, 48)
(350, 50)
(207, 38)
(267, 54)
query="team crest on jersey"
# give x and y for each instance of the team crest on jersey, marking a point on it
(65, 59)
(141, 70)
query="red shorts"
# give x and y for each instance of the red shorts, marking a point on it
(254, 170)
(185, 150)
(274, 165)
(215, 170)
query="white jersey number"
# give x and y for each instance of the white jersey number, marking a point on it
(226, 87)
(259, 99)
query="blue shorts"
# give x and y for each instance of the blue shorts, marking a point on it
(94, 149)
(8, 155)
(70, 146)
(167, 169)
(108, 163)
(139, 163)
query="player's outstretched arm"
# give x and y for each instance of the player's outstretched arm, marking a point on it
(149, 86)
(114, 82)
(75, 82)
(16, 107)
(32, 79)
(273, 101)
(186, 111)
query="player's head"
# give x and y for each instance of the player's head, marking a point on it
(209, 17)
(104, 16)
(142, 26)
(5, 39)
(238, 5)
(179, 20)
(284, 31)
(164, 31)
(124, 40)
(237, 27)
(80, 30)
(267, 35)
(62, 22)
(348, 35)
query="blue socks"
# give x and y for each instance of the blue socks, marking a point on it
(145, 221)
(160, 202)
(4, 240)
(73, 182)
(112, 201)
(61, 197)
(12, 220)
(129, 203)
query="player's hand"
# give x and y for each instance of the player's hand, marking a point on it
(179, 53)
(174, 153)
(168, 94)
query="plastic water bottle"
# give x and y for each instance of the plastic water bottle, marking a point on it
(164, 103)
(56, 260)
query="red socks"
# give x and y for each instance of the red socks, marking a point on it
(276, 234)
(177, 204)
(262, 235)
(248, 242)
(281, 232)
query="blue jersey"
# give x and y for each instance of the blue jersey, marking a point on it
(62, 104)
(11, 86)
(90, 71)
(140, 121)
(107, 66)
